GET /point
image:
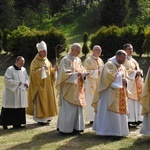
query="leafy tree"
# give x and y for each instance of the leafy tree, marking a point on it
(29, 17)
(114, 12)
(27, 3)
(56, 5)
(44, 11)
(8, 16)
(146, 44)
(133, 6)
(1, 39)
(90, 19)
(144, 12)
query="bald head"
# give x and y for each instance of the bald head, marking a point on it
(97, 50)
(75, 49)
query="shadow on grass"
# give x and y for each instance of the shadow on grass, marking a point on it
(88, 140)
(11, 130)
(65, 141)
(141, 143)
(58, 141)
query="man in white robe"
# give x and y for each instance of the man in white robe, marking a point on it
(15, 95)
(110, 99)
(70, 89)
(93, 64)
(135, 87)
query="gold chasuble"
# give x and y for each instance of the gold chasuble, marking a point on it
(117, 101)
(41, 91)
(71, 92)
(145, 100)
(136, 84)
(91, 64)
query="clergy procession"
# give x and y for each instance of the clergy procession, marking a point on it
(110, 96)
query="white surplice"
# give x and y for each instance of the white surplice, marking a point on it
(15, 96)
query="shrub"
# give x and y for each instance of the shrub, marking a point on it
(23, 41)
(146, 43)
(113, 38)
(108, 39)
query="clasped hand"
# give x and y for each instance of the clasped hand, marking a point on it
(83, 74)
(138, 73)
(46, 68)
(25, 84)
(124, 82)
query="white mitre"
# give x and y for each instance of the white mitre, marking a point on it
(41, 46)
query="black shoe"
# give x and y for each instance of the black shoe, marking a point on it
(5, 127)
(77, 131)
(91, 122)
(18, 126)
(132, 124)
(43, 123)
(139, 122)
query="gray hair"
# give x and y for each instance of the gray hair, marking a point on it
(97, 46)
(18, 58)
(75, 45)
(126, 45)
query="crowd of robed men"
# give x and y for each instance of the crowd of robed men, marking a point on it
(114, 94)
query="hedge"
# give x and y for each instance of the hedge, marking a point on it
(23, 40)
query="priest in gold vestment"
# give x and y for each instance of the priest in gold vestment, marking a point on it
(41, 93)
(110, 99)
(145, 101)
(93, 64)
(135, 87)
(70, 90)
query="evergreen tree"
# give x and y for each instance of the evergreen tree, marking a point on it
(85, 48)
